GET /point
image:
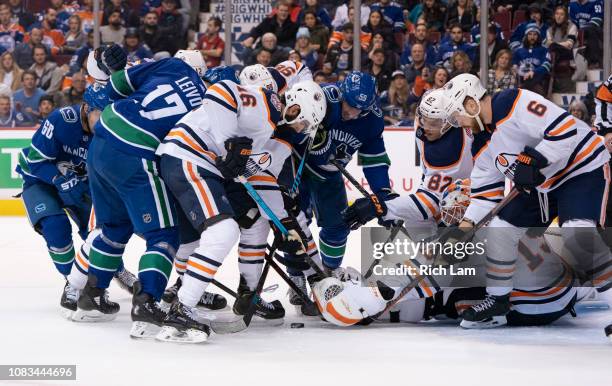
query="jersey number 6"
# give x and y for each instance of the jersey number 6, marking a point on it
(536, 108)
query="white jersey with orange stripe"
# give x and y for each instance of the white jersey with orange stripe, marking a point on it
(287, 73)
(442, 162)
(523, 118)
(231, 110)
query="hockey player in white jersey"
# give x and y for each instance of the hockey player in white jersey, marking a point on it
(446, 155)
(209, 145)
(277, 79)
(559, 165)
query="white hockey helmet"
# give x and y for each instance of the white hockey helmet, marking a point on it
(455, 200)
(434, 111)
(309, 96)
(94, 71)
(460, 87)
(335, 306)
(258, 75)
(194, 59)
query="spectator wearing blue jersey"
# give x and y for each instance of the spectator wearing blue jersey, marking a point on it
(588, 16)
(25, 100)
(392, 12)
(420, 36)
(456, 43)
(319, 11)
(462, 13)
(63, 14)
(535, 17)
(533, 62)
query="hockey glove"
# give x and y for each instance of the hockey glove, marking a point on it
(72, 190)
(235, 161)
(295, 242)
(386, 194)
(110, 58)
(363, 210)
(527, 174)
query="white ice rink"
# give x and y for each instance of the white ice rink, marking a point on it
(573, 351)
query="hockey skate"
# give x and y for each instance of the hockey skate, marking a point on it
(272, 313)
(182, 325)
(147, 316)
(294, 298)
(93, 304)
(70, 295)
(209, 300)
(125, 279)
(489, 313)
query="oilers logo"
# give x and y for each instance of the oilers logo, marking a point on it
(506, 163)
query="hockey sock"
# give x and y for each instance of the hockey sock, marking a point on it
(333, 245)
(502, 254)
(104, 259)
(250, 261)
(155, 264)
(182, 255)
(58, 235)
(215, 243)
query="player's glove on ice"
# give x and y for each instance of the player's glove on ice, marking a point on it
(295, 241)
(363, 210)
(72, 190)
(527, 175)
(235, 161)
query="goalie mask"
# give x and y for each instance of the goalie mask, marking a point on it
(454, 203)
(346, 303)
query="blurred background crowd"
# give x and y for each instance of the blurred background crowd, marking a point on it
(409, 46)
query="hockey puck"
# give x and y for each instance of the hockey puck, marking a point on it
(608, 331)
(297, 325)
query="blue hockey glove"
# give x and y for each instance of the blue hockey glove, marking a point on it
(72, 190)
(96, 96)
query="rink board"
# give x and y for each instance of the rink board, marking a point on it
(400, 142)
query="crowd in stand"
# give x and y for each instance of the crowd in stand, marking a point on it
(409, 46)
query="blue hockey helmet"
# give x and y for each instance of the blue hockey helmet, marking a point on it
(359, 90)
(214, 75)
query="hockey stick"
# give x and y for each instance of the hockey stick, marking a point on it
(468, 235)
(224, 288)
(298, 174)
(399, 226)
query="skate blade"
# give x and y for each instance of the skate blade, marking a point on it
(93, 316)
(228, 326)
(144, 330)
(67, 313)
(171, 334)
(496, 321)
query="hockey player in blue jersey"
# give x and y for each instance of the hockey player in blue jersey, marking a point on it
(55, 186)
(128, 194)
(353, 124)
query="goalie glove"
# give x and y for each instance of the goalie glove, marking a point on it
(527, 175)
(235, 161)
(295, 241)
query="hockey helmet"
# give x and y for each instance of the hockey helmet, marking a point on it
(309, 96)
(258, 75)
(194, 59)
(457, 89)
(359, 90)
(217, 74)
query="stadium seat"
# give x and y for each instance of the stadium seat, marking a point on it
(504, 19)
(519, 17)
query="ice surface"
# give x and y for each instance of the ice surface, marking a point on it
(571, 352)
